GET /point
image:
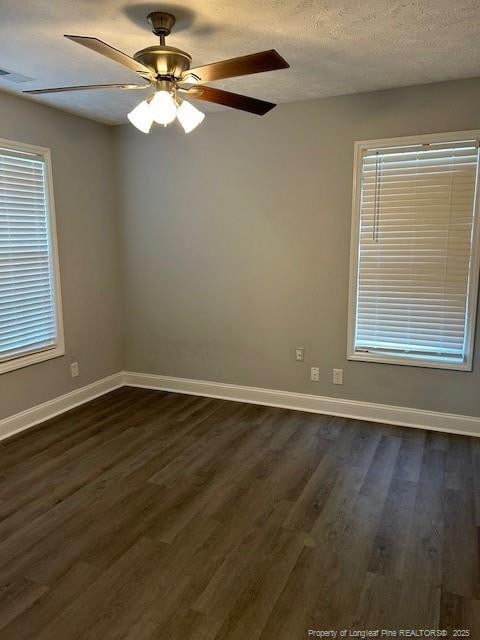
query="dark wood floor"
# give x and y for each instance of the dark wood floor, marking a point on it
(146, 515)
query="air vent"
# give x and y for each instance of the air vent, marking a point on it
(11, 76)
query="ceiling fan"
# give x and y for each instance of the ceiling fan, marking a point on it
(167, 70)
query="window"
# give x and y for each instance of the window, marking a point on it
(415, 251)
(30, 307)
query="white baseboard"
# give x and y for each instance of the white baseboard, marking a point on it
(369, 411)
(41, 412)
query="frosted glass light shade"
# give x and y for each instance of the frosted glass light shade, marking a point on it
(163, 108)
(142, 117)
(189, 116)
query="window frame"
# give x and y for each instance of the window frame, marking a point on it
(58, 350)
(472, 296)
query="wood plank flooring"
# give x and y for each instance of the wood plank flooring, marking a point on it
(145, 515)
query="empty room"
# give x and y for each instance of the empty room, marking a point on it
(239, 351)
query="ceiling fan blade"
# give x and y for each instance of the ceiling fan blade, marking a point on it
(244, 65)
(110, 52)
(89, 86)
(228, 99)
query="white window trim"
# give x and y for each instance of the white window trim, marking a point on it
(414, 361)
(58, 350)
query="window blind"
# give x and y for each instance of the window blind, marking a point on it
(417, 208)
(27, 292)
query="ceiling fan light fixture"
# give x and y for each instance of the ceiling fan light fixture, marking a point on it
(189, 116)
(142, 117)
(167, 70)
(163, 108)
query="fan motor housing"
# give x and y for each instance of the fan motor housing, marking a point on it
(164, 61)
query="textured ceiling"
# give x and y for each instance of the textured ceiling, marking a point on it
(334, 46)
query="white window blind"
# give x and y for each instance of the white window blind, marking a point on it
(28, 296)
(415, 250)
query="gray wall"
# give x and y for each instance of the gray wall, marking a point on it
(236, 245)
(84, 189)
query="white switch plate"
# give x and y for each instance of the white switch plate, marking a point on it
(74, 369)
(338, 376)
(315, 374)
(299, 354)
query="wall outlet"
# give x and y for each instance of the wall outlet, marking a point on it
(300, 354)
(315, 374)
(74, 369)
(337, 376)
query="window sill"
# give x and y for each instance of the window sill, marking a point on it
(31, 358)
(411, 361)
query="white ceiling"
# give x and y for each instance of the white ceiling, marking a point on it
(334, 47)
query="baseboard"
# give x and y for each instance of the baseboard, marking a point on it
(358, 410)
(369, 411)
(41, 412)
